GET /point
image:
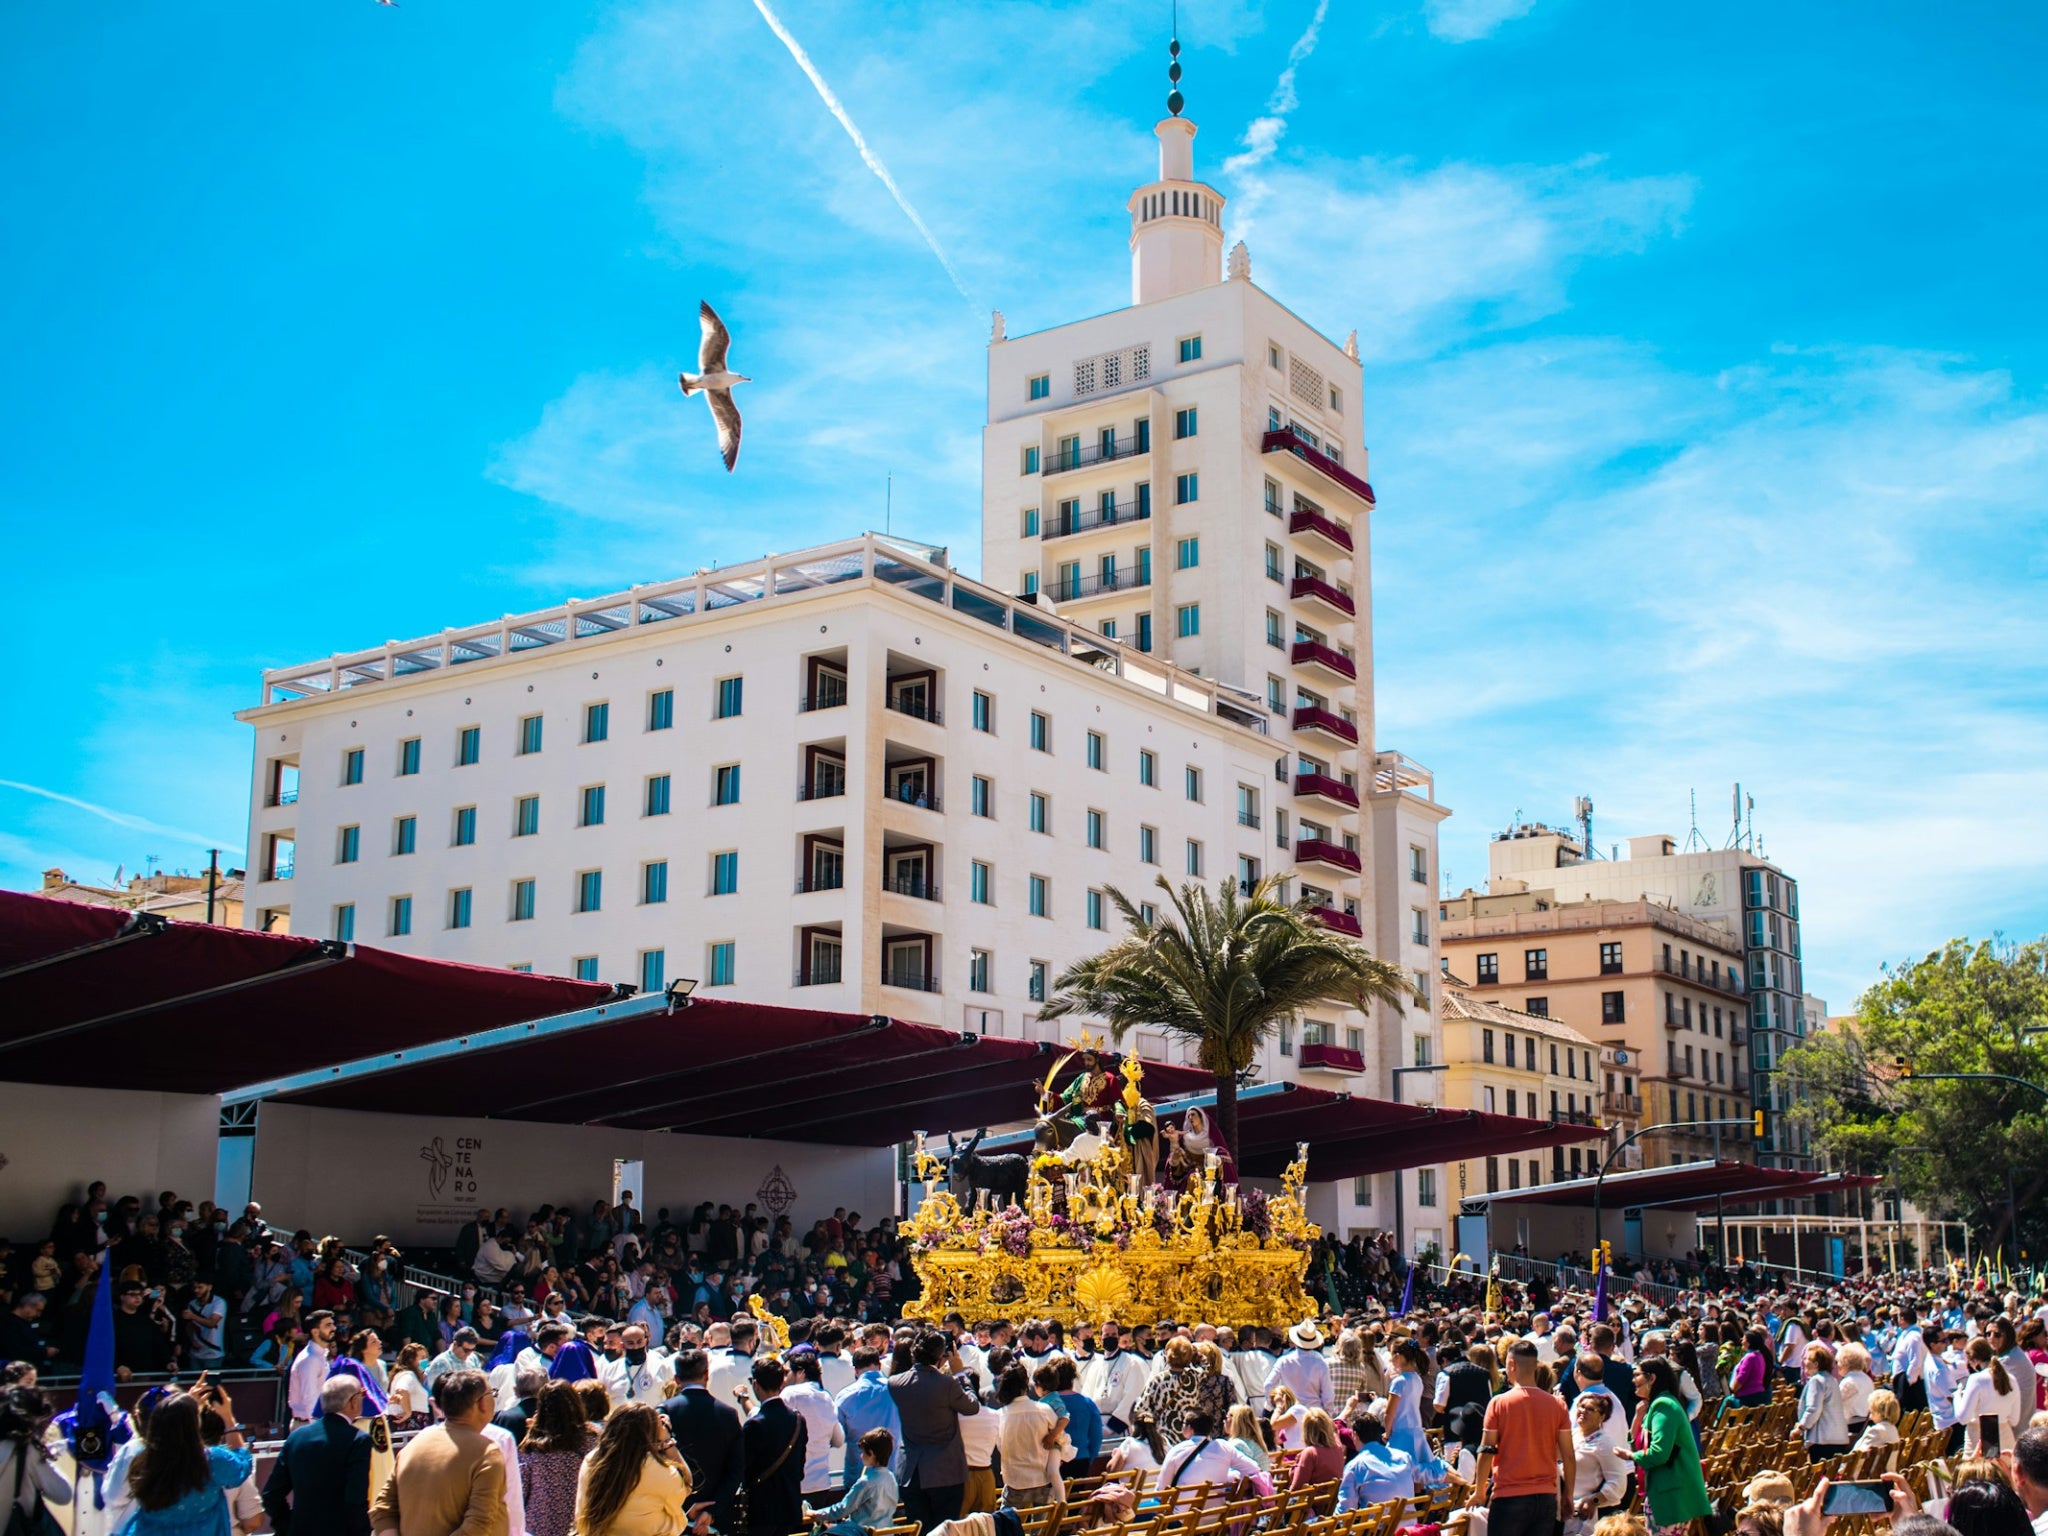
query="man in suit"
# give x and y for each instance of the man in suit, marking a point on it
(931, 1404)
(773, 1441)
(321, 1483)
(527, 1381)
(708, 1434)
(450, 1481)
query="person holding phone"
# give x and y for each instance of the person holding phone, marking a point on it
(1988, 1393)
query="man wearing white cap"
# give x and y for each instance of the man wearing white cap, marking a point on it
(1303, 1370)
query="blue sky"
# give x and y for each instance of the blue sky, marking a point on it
(1706, 371)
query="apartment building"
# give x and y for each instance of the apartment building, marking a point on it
(1506, 1062)
(1735, 890)
(853, 777)
(1660, 989)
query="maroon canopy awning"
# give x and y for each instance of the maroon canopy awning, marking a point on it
(1350, 1137)
(719, 1068)
(103, 998)
(1688, 1184)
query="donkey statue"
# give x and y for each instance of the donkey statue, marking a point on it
(1002, 1174)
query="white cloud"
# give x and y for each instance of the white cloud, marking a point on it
(1467, 21)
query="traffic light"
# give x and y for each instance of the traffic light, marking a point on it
(1905, 1067)
(1759, 1124)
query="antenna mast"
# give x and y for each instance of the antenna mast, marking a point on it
(1694, 843)
(1582, 812)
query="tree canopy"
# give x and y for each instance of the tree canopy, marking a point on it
(1949, 1146)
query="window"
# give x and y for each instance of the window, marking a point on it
(465, 826)
(1418, 865)
(590, 812)
(590, 891)
(469, 743)
(1027, 583)
(529, 735)
(1276, 694)
(653, 969)
(1611, 1008)
(719, 972)
(1486, 1046)
(401, 916)
(522, 901)
(1540, 1006)
(1191, 349)
(458, 907)
(1425, 1186)
(1098, 750)
(977, 970)
(1535, 965)
(1029, 464)
(661, 716)
(725, 873)
(1187, 554)
(352, 766)
(1148, 768)
(984, 711)
(1276, 634)
(408, 757)
(1148, 845)
(1034, 987)
(1287, 1037)
(1273, 568)
(725, 784)
(1095, 910)
(979, 878)
(654, 882)
(597, 722)
(345, 923)
(585, 967)
(1194, 858)
(657, 797)
(1041, 732)
(1489, 968)
(1514, 1098)
(526, 816)
(350, 846)
(1040, 811)
(1422, 1051)
(1040, 887)
(1038, 386)
(729, 698)
(1247, 806)
(405, 834)
(1184, 423)
(1272, 356)
(1194, 783)
(1418, 925)
(1187, 488)
(1095, 824)
(1610, 961)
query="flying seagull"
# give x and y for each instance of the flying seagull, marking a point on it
(716, 383)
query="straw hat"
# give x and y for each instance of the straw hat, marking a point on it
(1305, 1336)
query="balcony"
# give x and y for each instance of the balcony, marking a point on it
(1075, 588)
(917, 709)
(1059, 461)
(1332, 1058)
(822, 789)
(1338, 922)
(1729, 981)
(1309, 718)
(1323, 787)
(823, 976)
(1307, 653)
(1313, 589)
(1316, 851)
(1626, 1106)
(1086, 522)
(912, 981)
(912, 795)
(922, 887)
(1311, 524)
(821, 880)
(833, 697)
(1284, 441)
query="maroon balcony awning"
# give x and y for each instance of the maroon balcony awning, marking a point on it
(1284, 441)
(1349, 1137)
(1688, 1184)
(102, 998)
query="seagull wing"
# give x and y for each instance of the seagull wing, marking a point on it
(711, 351)
(727, 415)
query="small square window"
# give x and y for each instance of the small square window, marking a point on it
(1191, 349)
(1273, 359)
(1095, 829)
(522, 901)
(1187, 554)
(1187, 488)
(1030, 462)
(1187, 620)
(1041, 813)
(465, 826)
(469, 745)
(349, 847)
(1028, 523)
(725, 873)
(352, 766)
(597, 722)
(591, 811)
(984, 711)
(585, 967)
(401, 916)
(529, 735)
(977, 970)
(1185, 422)
(980, 796)
(345, 923)
(1148, 845)
(405, 836)
(1040, 894)
(1038, 386)
(725, 784)
(526, 816)
(657, 794)
(1194, 784)
(1098, 749)
(590, 891)
(1095, 910)
(729, 698)
(1034, 987)
(653, 969)
(661, 716)
(1041, 732)
(980, 882)
(408, 757)
(654, 882)
(458, 908)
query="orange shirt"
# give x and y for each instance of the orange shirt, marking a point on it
(1525, 1424)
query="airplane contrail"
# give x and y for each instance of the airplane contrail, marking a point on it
(1263, 137)
(874, 161)
(122, 818)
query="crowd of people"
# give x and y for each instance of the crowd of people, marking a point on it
(655, 1400)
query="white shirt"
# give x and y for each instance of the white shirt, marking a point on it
(1978, 1396)
(838, 1374)
(308, 1376)
(1909, 1355)
(979, 1435)
(515, 1494)
(823, 1432)
(1946, 1373)
(1217, 1463)
(1249, 1367)
(1114, 1382)
(494, 1261)
(646, 1382)
(407, 1396)
(1603, 1464)
(1856, 1390)
(1026, 1461)
(1306, 1374)
(730, 1372)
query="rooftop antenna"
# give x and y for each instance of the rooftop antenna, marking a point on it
(1174, 100)
(1735, 832)
(1582, 812)
(1694, 843)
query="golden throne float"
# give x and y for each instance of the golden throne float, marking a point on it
(1090, 1242)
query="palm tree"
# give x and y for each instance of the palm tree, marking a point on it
(1222, 971)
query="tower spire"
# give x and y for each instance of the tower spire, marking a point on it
(1174, 100)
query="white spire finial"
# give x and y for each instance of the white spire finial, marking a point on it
(1240, 263)
(995, 327)
(1351, 346)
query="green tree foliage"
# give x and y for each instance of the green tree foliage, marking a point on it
(1222, 971)
(1965, 1008)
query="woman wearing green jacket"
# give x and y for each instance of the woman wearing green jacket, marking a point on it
(1670, 1459)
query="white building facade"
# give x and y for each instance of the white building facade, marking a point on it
(853, 778)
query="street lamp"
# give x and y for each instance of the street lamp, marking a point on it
(1600, 1178)
(1400, 1226)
